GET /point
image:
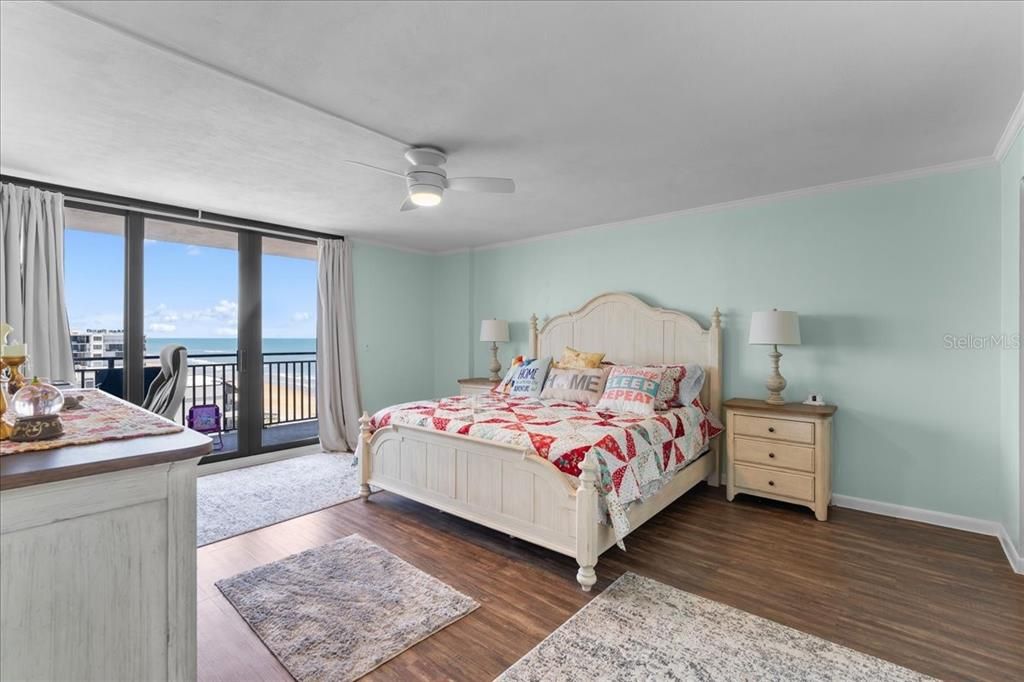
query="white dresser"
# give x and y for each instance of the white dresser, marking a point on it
(98, 561)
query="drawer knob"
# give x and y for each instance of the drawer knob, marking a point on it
(771, 429)
(771, 482)
(771, 455)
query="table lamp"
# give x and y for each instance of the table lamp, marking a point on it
(775, 328)
(495, 331)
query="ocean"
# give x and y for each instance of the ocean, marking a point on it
(201, 346)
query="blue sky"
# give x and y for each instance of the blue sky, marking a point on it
(190, 291)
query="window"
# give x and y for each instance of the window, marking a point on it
(94, 244)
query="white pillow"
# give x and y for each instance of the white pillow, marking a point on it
(529, 379)
(691, 384)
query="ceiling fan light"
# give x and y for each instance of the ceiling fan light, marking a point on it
(425, 195)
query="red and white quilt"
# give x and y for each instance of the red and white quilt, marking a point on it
(637, 454)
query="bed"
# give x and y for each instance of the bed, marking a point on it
(505, 484)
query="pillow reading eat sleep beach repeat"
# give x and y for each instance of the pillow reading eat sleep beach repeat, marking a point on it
(631, 389)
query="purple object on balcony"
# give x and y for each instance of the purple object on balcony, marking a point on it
(206, 419)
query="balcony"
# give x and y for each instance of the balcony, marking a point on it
(289, 390)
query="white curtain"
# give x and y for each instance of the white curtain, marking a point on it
(337, 385)
(32, 255)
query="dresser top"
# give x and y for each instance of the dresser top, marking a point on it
(789, 408)
(76, 461)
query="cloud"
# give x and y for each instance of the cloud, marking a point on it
(193, 250)
(225, 331)
(301, 317)
(160, 327)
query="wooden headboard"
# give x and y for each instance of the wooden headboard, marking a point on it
(630, 332)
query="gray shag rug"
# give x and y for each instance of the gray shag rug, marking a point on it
(338, 611)
(640, 629)
(235, 502)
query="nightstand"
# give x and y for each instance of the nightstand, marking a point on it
(782, 452)
(476, 385)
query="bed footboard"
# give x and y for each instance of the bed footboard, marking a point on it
(498, 486)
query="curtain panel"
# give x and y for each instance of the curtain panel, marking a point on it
(33, 298)
(337, 384)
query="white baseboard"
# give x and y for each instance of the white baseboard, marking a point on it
(254, 460)
(1016, 560)
(937, 518)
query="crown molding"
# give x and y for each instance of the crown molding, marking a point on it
(883, 179)
(1013, 128)
(392, 246)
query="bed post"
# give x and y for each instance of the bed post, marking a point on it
(364, 456)
(715, 391)
(533, 336)
(586, 521)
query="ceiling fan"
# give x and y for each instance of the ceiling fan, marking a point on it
(427, 180)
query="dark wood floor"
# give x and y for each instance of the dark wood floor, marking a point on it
(940, 601)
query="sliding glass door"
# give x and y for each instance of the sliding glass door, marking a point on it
(190, 299)
(288, 339)
(242, 303)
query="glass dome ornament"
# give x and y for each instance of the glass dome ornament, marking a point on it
(37, 412)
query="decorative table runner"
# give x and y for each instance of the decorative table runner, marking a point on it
(101, 418)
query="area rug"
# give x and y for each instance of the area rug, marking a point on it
(241, 500)
(640, 629)
(338, 611)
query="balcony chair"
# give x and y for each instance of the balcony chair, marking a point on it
(168, 388)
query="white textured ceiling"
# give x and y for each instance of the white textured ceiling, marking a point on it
(601, 111)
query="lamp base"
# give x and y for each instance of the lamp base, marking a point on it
(495, 365)
(776, 382)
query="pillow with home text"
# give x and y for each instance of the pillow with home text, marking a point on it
(631, 389)
(505, 387)
(529, 379)
(580, 385)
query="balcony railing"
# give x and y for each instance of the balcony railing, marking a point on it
(289, 383)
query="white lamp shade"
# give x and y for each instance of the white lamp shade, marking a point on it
(775, 327)
(494, 330)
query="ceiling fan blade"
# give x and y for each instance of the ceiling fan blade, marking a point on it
(376, 168)
(501, 185)
(407, 205)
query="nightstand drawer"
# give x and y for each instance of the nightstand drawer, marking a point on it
(781, 429)
(774, 454)
(796, 486)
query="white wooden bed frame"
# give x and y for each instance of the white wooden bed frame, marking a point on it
(514, 490)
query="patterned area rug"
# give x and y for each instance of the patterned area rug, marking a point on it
(338, 611)
(640, 629)
(238, 501)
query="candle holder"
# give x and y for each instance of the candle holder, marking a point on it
(16, 381)
(5, 428)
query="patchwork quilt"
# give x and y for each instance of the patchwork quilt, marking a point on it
(637, 454)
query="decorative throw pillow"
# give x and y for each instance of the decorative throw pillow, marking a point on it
(506, 384)
(631, 389)
(680, 385)
(581, 385)
(529, 379)
(576, 359)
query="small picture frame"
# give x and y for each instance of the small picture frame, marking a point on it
(206, 419)
(815, 399)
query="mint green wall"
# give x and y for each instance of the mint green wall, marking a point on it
(1011, 170)
(394, 324)
(878, 274)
